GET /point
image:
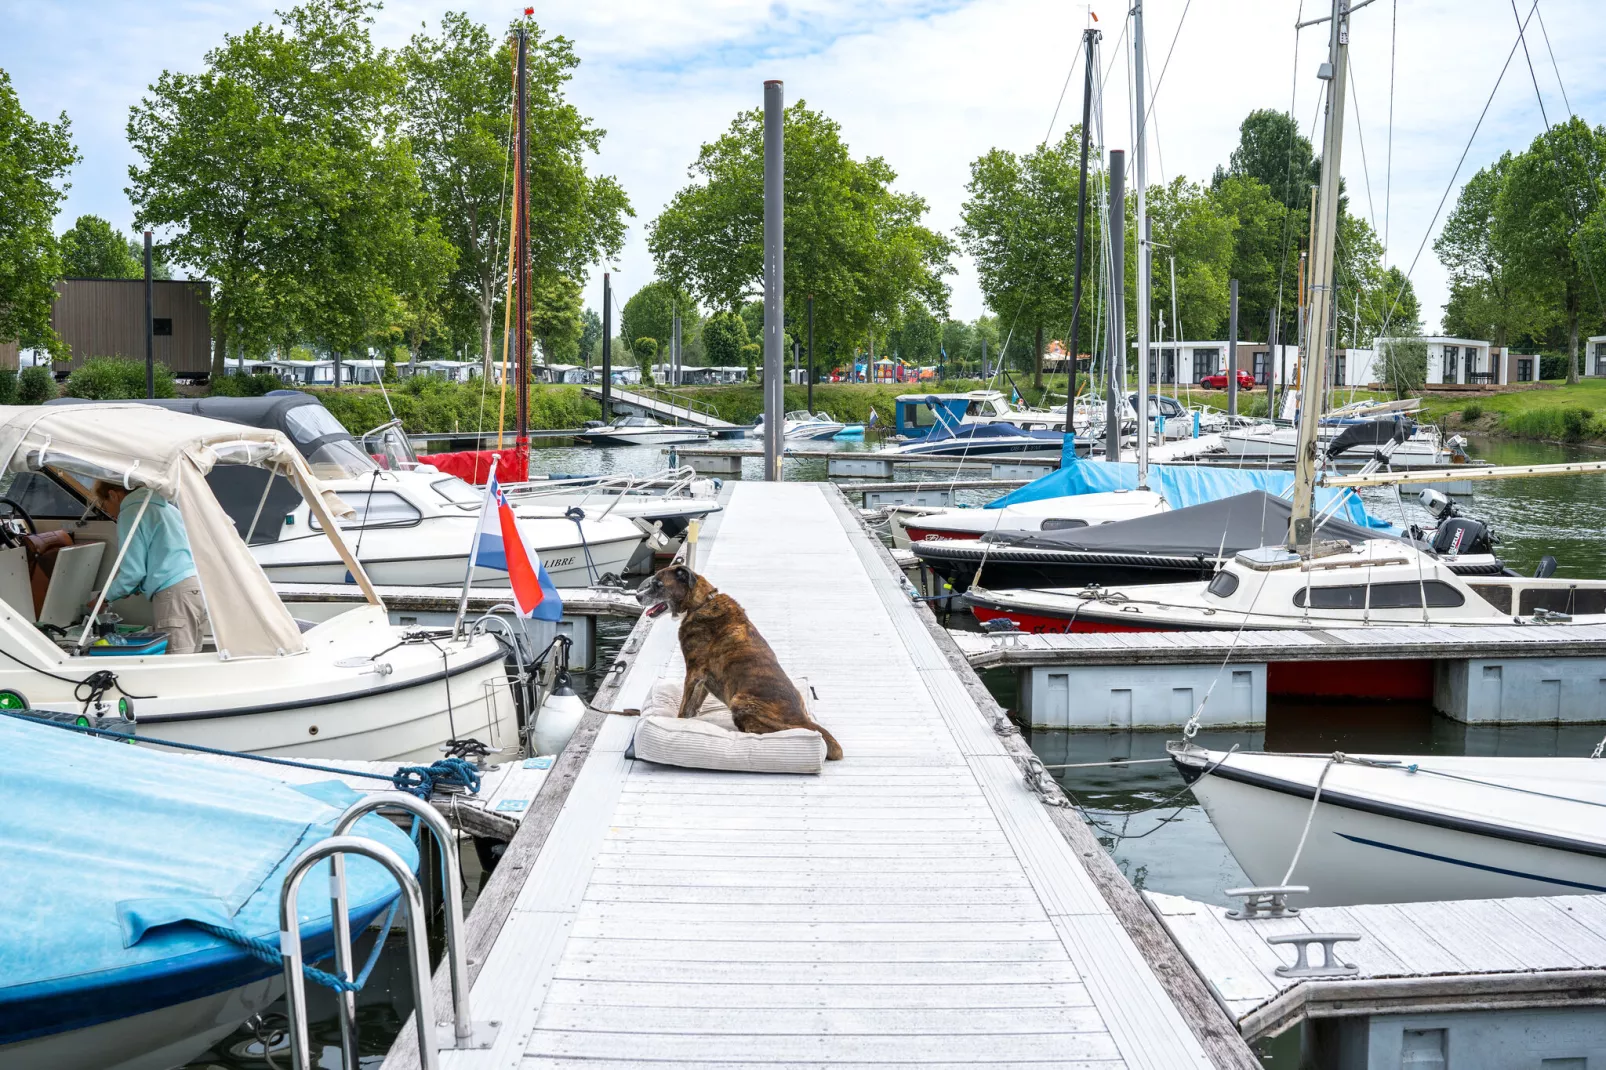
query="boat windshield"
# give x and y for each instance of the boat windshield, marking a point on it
(457, 491)
(335, 455)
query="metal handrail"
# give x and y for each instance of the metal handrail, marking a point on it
(464, 1033)
(295, 995)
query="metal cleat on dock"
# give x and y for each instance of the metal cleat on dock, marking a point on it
(1270, 901)
(1330, 967)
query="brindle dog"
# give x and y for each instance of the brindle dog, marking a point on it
(727, 658)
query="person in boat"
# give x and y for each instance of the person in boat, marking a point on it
(158, 563)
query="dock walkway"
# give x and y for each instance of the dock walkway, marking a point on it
(915, 904)
(660, 406)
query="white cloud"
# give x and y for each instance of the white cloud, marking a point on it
(928, 85)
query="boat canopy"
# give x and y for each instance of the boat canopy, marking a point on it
(1184, 485)
(1222, 527)
(109, 850)
(138, 445)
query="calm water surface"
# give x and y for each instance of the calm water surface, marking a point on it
(1157, 835)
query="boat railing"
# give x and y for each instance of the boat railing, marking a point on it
(464, 1032)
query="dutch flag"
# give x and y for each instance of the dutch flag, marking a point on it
(497, 545)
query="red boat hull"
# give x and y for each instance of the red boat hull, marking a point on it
(925, 534)
(1039, 624)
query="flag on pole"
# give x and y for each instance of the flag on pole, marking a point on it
(498, 545)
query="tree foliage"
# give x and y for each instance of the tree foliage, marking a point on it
(1199, 236)
(93, 249)
(457, 99)
(555, 320)
(650, 313)
(851, 240)
(1272, 151)
(279, 172)
(1018, 223)
(724, 339)
(34, 159)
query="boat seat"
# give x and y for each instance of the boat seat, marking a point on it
(15, 588)
(71, 580)
(42, 550)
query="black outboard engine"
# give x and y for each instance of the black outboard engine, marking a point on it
(1461, 535)
(1456, 535)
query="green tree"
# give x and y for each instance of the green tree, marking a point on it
(957, 337)
(650, 312)
(590, 332)
(555, 319)
(1018, 223)
(1404, 364)
(1265, 261)
(724, 339)
(1482, 299)
(456, 103)
(1549, 194)
(1185, 219)
(93, 249)
(1272, 150)
(34, 159)
(917, 337)
(646, 350)
(852, 241)
(160, 268)
(279, 173)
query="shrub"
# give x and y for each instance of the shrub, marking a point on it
(1472, 412)
(36, 385)
(244, 386)
(117, 379)
(8, 386)
(1553, 366)
(1575, 424)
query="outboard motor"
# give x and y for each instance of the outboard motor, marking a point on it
(1462, 535)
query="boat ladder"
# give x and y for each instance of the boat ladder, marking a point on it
(463, 1032)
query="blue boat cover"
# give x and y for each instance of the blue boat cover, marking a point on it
(1183, 485)
(110, 848)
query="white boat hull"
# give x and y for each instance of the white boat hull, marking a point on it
(155, 1040)
(1374, 850)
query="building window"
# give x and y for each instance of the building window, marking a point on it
(162, 328)
(1525, 369)
(1338, 369)
(1472, 365)
(1260, 363)
(1452, 354)
(1205, 362)
(1600, 358)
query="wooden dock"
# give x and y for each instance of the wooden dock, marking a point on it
(1411, 958)
(917, 903)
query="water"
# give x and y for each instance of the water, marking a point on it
(1155, 832)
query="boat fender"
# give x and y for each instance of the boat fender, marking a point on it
(561, 710)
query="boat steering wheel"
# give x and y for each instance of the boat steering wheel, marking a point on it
(9, 538)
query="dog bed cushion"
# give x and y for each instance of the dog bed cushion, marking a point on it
(710, 740)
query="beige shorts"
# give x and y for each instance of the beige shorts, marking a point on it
(181, 613)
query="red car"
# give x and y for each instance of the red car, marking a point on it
(1218, 381)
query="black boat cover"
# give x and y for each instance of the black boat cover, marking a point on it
(1371, 433)
(1227, 525)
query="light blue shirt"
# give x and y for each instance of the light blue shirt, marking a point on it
(158, 550)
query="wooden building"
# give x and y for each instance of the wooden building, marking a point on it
(106, 318)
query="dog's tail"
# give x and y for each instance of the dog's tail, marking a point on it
(833, 749)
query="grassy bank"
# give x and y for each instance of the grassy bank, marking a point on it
(429, 406)
(1552, 411)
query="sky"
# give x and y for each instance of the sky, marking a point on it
(929, 85)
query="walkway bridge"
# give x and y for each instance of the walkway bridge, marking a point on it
(664, 404)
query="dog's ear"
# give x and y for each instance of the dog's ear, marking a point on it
(683, 574)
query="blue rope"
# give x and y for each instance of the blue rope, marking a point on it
(268, 952)
(422, 780)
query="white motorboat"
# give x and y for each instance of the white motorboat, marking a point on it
(1396, 828)
(639, 431)
(1425, 448)
(802, 425)
(1373, 582)
(351, 687)
(411, 525)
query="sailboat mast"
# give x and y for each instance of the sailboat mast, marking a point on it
(1334, 73)
(1140, 179)
(521, 193)
(1090, 36)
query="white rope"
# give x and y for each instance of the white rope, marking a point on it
(1338, 756)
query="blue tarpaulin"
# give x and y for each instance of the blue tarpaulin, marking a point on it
(109, 848)
(1183, 485)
